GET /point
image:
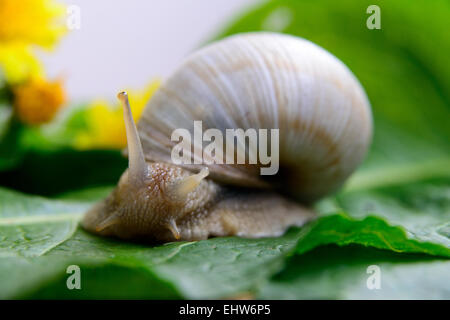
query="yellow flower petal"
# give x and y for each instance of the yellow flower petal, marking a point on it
(139, 98)
(31, 22)
(106, 128)
(23, 24)
(17, 63)
(37, 101)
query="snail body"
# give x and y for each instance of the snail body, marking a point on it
(254, 80)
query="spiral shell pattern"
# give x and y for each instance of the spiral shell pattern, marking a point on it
(267, 81)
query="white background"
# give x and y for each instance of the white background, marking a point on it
(125, 43)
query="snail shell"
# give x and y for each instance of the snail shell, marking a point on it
(267, 80)
(254, 80)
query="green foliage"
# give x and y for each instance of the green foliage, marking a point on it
(332, 272)
(52, 172)
(40, 239)
(371, 231)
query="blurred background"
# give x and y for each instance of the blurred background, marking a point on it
(133, 41)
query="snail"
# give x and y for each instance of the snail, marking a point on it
(251, 80)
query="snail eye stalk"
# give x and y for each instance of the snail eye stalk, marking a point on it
(137, 166)
(183, 187)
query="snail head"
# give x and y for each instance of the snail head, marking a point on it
(149, 196)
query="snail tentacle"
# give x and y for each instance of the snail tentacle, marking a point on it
(138, 169)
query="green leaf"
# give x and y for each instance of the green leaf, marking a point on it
(422, 208)
(39, 239)
(332, 272)
(32, 226)
(371, 231)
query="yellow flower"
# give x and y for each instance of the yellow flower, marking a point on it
(18, 63)
(105, 125)
(24, 23)
(105, 128)
(31, 22)
(37, 101)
